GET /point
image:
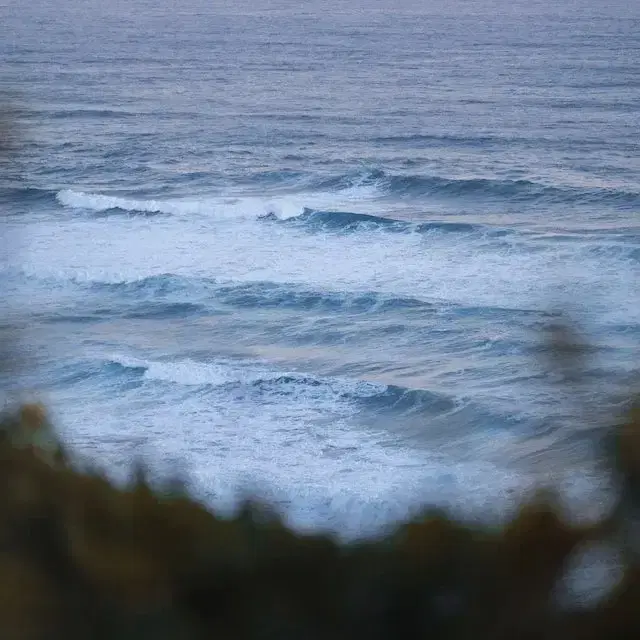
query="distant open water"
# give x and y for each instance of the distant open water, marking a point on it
(309, 253)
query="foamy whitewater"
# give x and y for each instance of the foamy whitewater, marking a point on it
(308, 252)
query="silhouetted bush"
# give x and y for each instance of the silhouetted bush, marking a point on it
(83, 558)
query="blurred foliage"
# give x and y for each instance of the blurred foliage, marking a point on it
(82, 558)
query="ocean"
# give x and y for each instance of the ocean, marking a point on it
(308, 252)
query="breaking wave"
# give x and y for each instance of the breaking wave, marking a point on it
(258, 380)
(347, 221)
(369, 184)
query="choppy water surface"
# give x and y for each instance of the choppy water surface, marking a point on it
(313, 250)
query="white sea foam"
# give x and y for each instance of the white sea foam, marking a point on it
(223, 206)
(228, 243)
(297, 446)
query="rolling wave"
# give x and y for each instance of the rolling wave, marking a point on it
(170, 295)
(369, 184)
(137, 311)
(185, 294)
(512, 190)
(270, 295)
(257, 380)
(119, 211)
(311, 219)
(521, 190)
(112, 205)
(346, 221)
(230, 207)
(164, 311)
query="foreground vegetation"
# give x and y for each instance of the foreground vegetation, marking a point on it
(83, 558)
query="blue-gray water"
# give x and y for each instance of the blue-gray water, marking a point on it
(313, 247)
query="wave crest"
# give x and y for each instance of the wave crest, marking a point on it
(251, 378)
(520, 190)
(106, 205)
(260, 294)
(347, 221)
